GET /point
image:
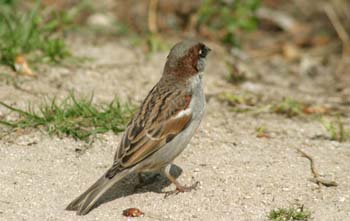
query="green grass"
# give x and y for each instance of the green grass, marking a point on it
(156, 44)
(262, 132)
(235, 75)
(288, 107)
(6, 2)
(229, 16)
(238, 99)
(336, 129)
(33, 33)
(289, 214)
(78, 118)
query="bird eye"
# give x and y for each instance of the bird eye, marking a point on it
(203, 52)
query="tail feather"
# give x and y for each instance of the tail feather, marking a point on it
(86, 201)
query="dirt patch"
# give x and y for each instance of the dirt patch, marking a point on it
(242, 177)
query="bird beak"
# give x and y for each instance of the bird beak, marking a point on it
(209, 49)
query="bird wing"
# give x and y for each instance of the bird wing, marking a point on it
(162, 116)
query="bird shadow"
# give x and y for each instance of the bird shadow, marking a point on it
(153, 182)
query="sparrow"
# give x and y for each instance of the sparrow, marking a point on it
(162, 127)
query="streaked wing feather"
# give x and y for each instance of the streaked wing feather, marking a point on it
(170, 128)
(159, 120)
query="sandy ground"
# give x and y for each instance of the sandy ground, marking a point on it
(241, 177)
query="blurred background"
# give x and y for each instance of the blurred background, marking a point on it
(257, 27)
(278, 79)
(291, 55)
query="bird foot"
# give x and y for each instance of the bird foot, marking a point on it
(181, 189)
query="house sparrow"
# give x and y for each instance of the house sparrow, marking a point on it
(163, 126)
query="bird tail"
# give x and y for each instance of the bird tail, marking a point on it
(86, 201)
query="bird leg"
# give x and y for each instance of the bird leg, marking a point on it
(179, 188)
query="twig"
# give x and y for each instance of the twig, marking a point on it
(339, 28)
(17, 86)
(317, 179)
(3, 201)
(341, 32)
(280, 18)
(152, 16)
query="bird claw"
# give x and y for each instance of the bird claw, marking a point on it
(181, 189)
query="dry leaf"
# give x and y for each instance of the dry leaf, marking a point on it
(22, 67)
(320, 40)
(133, 212)
(291, 52)
(263, 135)
(315, 110)
(306, 41)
